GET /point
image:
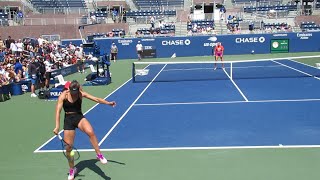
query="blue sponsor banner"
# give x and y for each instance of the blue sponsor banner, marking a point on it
(203, 45)
(69, 70)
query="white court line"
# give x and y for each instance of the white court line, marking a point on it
(297, 70)
(245, 98)
(229, 102)
(84, 114)
(193, 148)
(302, 63)
(125, 113)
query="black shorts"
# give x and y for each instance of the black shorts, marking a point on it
(114, 55)
(48, 75)
(80, 62)
(71, 121)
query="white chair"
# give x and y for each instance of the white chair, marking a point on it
(92, 68)
(61, 80)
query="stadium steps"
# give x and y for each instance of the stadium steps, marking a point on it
(90, 5)
(181, 29)
(26, 3)
(220, 27)
(187, 4)
(131, 5)
(228, 4)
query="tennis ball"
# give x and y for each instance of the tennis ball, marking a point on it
(72, 153)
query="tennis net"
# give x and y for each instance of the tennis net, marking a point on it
(248, 69)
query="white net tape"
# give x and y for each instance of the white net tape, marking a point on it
(142, 72)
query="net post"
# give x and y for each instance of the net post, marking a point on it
(231, 70)
(133, 73)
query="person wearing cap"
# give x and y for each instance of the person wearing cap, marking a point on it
(33, 73)
(139, 49)
(71, 101)
(114, 52)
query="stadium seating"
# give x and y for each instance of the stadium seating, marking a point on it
(99, 13)
(266, 8)
(156, 4)
(152, 12)
(201, 24)
(4, 18)
(166, 29)
(309, 26)
(58, 3)
(318, 4)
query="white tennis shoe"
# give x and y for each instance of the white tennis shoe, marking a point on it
(72, 172)
(102, 159)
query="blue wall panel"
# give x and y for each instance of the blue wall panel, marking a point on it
(202, 45)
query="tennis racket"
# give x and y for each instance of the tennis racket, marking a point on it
(76, 155)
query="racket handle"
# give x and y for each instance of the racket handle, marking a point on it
(59, 136)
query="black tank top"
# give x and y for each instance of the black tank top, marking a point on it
(72, 107)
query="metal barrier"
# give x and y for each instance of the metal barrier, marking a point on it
(55, 21)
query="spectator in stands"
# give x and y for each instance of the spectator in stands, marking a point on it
(9, 41)
(2, 45)
(42, 73)
(20, 17)
(3, 80)
(18, 66)
(13, 48)
(20, 47)
(2, 69)
(2, 55)
(33, 73)
(93, 18)
(80, 60)
(114, 52)
(41, 41)
(114, 15)
(152, 21)
(139, 48)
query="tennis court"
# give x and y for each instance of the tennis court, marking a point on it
(251, 120)
(183, 105)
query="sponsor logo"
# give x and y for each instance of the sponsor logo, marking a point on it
(125, 42)
(177, 42)
(213, 42)
(304, 35)
(148, 47)
(55, 94)
(280, 35)
(250, 40)
(147, 39)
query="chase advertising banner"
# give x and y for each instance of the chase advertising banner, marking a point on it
(162, 47)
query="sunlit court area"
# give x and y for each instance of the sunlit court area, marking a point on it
(160, 89)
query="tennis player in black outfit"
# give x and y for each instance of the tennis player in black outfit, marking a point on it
(71, 100)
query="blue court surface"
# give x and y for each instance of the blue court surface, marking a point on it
(266, 104)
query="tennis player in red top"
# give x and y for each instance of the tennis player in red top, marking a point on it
(218, 53)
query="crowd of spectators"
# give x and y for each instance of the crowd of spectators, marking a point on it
(162, 29)
(200, 27)
(34, 59)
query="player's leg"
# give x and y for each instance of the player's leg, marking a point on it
(221, 58)
(85, 126)
(215, 60)
(69, 138)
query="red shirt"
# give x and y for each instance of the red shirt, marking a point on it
(219, 48)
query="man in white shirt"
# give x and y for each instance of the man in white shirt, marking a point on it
(139, 49)
(40, 41)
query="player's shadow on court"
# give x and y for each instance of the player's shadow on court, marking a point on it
(91, 164)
